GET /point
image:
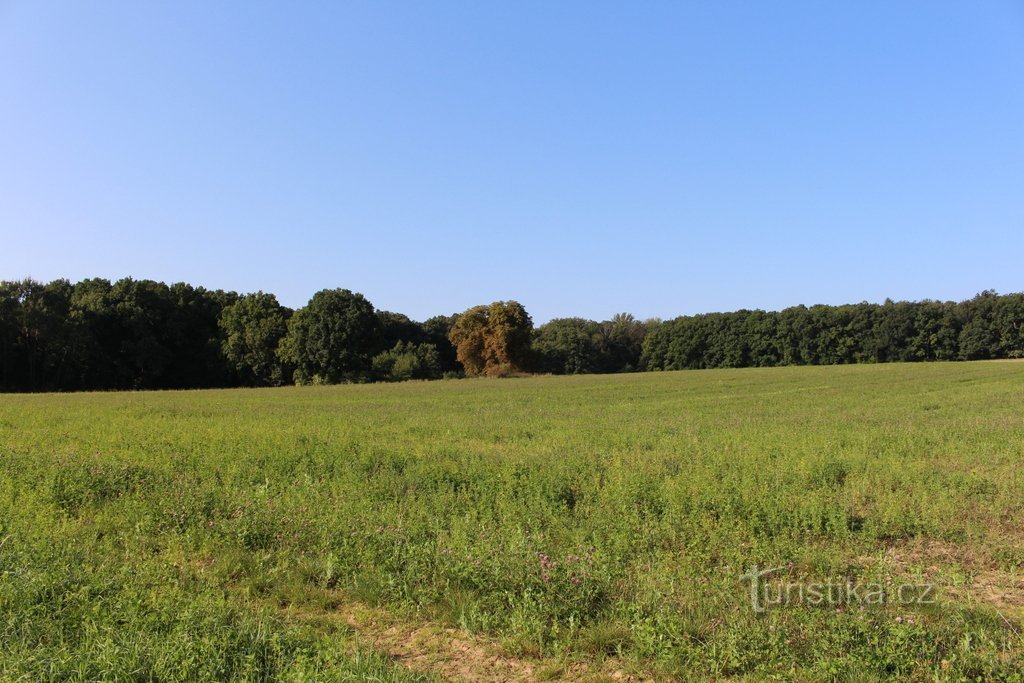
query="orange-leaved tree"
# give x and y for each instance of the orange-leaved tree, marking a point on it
(493, 340)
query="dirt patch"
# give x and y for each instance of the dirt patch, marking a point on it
(1003, 591)
(430, 647)
(453, 654)
(932, 554)
(964, 573)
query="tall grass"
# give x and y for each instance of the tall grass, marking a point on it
(149, 535)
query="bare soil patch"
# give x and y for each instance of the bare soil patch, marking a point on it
(965, 573)
(453, 654)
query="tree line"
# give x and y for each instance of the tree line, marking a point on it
(988, 326)
(142, 334)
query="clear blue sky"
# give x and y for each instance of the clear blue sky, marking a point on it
(582, 158)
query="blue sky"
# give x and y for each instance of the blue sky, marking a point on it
(582, 158)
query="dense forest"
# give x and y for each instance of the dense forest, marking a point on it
(141, 334)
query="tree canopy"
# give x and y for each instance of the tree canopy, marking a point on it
(253, 328)
(493, 340)
(142, 334)
(334, 338)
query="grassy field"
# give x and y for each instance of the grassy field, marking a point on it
(592, 526)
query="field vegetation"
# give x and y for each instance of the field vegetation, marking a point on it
(583, 519)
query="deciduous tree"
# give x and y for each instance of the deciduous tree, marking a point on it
(333, 338)
(253, 328)
(493, 340)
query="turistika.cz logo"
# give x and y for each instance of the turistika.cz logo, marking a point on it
(766, 592)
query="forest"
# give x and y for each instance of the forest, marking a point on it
(142, 334)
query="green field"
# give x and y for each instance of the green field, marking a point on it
(589, 526)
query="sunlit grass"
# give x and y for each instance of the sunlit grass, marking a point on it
(144, 534)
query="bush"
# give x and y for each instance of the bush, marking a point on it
(407, 361)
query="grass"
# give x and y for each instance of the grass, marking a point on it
(165, 536)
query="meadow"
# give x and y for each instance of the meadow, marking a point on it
(589, 526)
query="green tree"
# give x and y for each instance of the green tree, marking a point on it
(195, 338)
(10, 348)
(567, 346)
(407, 361)
(396, 327)
(979, 338)
(1009, 320)
(38, 334)
(333, 338)
(623, 340)
(435, 332)
(253, 328)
